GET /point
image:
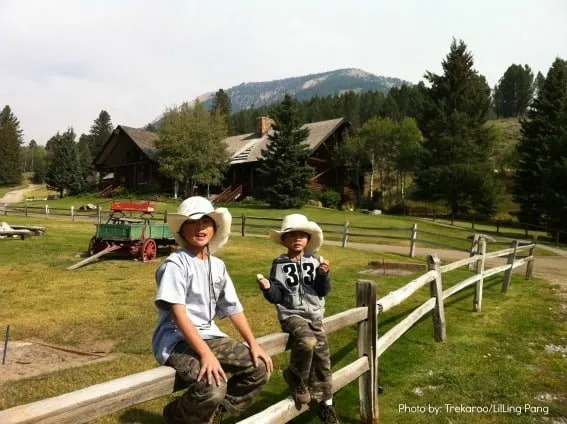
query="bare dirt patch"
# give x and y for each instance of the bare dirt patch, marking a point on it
(31, 359)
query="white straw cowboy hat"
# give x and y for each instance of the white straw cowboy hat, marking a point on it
(194, 208)
(298, 222)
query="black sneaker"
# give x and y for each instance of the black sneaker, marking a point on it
(299, 391)
(327, 414)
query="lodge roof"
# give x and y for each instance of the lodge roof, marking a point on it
(245, 148)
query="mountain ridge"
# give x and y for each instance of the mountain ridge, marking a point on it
(253, 94)
(259, 93)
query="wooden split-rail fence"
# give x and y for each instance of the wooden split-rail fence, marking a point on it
(102, 399)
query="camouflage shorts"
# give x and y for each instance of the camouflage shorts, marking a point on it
(310, 358)
(198, 404)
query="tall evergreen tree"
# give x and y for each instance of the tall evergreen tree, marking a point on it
(100, 132)
(221, 104)
(221, 107)
(542, 171)
(86, 168)
(456, 166)
(283, 167)
(63, 171)
(11, 137)
(538, 83)
(514, 91)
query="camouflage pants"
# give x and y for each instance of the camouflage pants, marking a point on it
(200, 401)
(310, 358)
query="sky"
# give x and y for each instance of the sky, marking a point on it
(63, 61)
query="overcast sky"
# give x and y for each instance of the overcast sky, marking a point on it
(62, 61)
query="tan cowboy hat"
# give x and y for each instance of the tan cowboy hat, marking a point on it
(194, 208)
(298, 222)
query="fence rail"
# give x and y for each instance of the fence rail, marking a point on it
(251, 224)
(85, 405)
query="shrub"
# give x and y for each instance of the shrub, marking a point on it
(330, 198)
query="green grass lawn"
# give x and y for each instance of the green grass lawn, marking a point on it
(497, 356)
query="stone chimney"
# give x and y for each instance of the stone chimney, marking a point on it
(263, 125)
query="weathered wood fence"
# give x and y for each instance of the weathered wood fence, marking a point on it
(255, 225)
(103, 399)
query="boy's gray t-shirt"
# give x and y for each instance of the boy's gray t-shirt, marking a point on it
(184, 279)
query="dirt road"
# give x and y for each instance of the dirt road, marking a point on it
(16, 196)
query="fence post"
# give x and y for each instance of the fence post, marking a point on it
(165, 217)
(98, 213)
(473, 250)
(477, 299)
(345, 233)
(243, 225)
(526, 229)
(26, 209)
(46, 211)
(72, 213)
(366, 343)
(530, 266)
(472, 223)
(557, 238)
(413, 240)
(436, 290)
(508, 273)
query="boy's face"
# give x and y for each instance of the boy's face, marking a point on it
(198, 233)
(295, 241)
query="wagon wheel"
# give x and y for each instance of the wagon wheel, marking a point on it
(149, 250)
(92, 246)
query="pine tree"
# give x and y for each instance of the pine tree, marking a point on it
(221, 107)
(63, 171)
(538, 83)
(514, 91)
(100, 132)
(11, 137)
(542, 171)
(86, 168)
(284, 168)
(456, 166)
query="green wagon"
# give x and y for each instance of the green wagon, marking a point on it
(136, 236)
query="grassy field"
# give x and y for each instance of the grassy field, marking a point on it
(495, 357)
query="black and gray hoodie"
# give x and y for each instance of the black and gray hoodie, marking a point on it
(297, 289)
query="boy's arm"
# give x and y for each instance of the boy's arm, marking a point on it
(210, 366)
(273, 293)
(322, 283)
(241, 323)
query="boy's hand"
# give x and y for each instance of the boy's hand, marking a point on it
(211, 368)
(264, 283)
(323, 267)
(257, 352)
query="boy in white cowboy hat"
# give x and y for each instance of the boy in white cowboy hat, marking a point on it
(298, 284)
(194, 287)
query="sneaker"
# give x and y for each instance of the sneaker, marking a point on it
(327, 414)
(216, 418)
(299, 391)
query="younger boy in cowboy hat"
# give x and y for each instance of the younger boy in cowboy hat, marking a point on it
(193, 288)
(298, 284)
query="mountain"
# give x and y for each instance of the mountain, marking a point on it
(256, 94)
